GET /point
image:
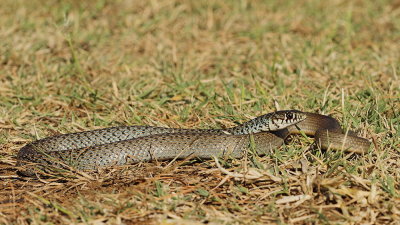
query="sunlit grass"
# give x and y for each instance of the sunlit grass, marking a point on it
(70, 66)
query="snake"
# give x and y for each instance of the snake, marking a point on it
(122, 145)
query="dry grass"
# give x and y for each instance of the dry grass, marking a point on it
(67, 66)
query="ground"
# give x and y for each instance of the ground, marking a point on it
(68, 66)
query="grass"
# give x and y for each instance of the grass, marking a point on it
(68, 66)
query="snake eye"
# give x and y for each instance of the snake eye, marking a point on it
(289, 116)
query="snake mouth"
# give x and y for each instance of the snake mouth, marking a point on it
(283, 119)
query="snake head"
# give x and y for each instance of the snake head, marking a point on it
(282, 119)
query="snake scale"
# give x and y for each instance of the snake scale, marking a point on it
(130, 144)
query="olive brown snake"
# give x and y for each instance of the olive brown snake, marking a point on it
(130, 144)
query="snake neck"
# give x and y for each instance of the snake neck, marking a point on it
(256, 125)
(268, 122)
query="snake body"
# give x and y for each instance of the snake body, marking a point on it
(130, 144)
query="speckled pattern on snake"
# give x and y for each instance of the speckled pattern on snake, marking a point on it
(130, 144)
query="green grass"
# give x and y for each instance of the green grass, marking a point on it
(68, 66)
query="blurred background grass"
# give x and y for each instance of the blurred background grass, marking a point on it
(69, 66)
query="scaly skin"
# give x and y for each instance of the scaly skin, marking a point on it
(130, 144)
